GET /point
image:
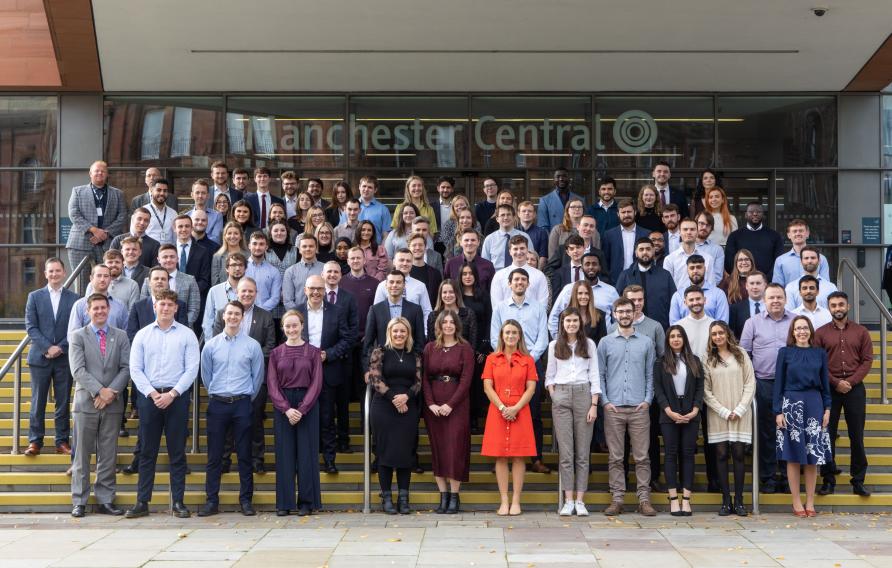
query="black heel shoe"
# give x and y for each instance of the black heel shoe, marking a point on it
(387, 503)
(686, 513)
(454, 504)
(726, 509)
(677, 513)
(444, 503)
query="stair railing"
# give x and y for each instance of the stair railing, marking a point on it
(859, 282)
(15, 362)
(755, 455)
(366, 452)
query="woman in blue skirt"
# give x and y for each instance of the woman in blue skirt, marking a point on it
(802, 410)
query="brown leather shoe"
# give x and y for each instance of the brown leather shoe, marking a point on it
(615, 508)
(539, 467)
(63, 448)
(33, 449)
(645, 508)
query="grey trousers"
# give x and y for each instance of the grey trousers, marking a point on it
(95, 432)
(76, 256)
(569, 406)
(637, 424)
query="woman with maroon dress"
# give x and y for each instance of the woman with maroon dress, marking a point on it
(294, 381)
(509, 380)
(448, 372)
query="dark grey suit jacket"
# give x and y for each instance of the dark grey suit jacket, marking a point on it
(93, 371)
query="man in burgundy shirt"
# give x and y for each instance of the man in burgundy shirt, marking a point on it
(470, 246)
(362, 286)
(850, 353)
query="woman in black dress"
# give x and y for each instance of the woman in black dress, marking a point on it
(448, 372)
(449, 298)
(395, 376)
(478, 302)
(593, 319)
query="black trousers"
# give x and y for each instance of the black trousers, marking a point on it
(536, 406)
(712, 470)
(172, 422)
(654, 451)
(767, 432)
(680, 441)
(328, 433)
(297, 451)
(258, 432)
(854, 404)
(233, 418)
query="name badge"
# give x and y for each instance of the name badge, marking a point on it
(99, 211)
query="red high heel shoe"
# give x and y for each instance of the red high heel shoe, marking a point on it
(811, 513)
(801, 514)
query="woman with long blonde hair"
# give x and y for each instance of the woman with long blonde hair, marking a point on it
(233, 241)
(417, 196)
(649, 211)
(573, 212)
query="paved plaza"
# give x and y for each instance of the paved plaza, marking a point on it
(481, 540)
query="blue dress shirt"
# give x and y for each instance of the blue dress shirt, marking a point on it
(531, 317)
(269, 283)
(788, 268)
(378, 214)
(164, 358)
(716, 305)
(232, 366)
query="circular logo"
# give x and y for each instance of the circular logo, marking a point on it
(635, 131)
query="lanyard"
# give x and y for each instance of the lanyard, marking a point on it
(161, 220)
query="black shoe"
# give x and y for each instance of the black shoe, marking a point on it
(141, 509)
(78, 511)
(132, 468)
(387, 504)
(345, 449)
(656, 486)
(248, 509)
(403, 502)
(180, 511)
(679, 512)
(281, 512)
(683, 512)
(827, 488)
(727, 508)
(108, 509)
(208, 509)
(739, 508)
(304, 510)
(444, 503)
(454, 504)
(259, 468)
(859, 489)
(330, 467)
(418, 469)
(123, 433)
(226, 467)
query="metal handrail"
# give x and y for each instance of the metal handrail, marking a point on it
(366, 453)
(859, 279)
(755, 456)
(15, 360)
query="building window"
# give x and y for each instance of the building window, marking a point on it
(263, 135)
(181, 144)
(32, 180)
(151, 134)
(32, 229)
(235, 133)
(29, 273)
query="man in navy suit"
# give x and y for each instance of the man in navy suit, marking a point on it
(334, 294)
(666, 194)
(261, 201)
(619, 242)
(197, 258)
(220, 175)
(752, 303)
(395, 305)
(46, 321)
(328, 330)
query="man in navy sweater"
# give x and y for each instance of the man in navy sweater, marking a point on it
(765, 244)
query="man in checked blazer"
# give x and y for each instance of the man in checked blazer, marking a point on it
(98, 214)
(100, 362)
(184, 285)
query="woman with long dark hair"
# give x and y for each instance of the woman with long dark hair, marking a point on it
(376, 259)
(398, 238)
(477, 301)
(728, 388)
(593, 319)
(678, 389)
(241, 214)
(708, 179)
(336, 212)
(449, 297)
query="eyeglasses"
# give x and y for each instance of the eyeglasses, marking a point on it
(575, 207)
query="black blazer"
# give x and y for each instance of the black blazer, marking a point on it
(658, 293)
(678, 197)
(336, 341)
(254, 204)
(140, 274)
(148, 256)
(738, 313)
(263, 329)
(664, 390)
(347, 303)
(142, 314)
(198, 265)
(376, 328)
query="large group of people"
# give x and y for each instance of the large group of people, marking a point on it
(645, 322)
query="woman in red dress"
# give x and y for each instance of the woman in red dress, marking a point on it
(509, 380)
(448, 372)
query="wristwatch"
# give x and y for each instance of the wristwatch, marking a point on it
(502, 407)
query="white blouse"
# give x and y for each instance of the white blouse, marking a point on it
(575, 370)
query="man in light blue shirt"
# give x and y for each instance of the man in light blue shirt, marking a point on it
(224, 292)
(200, 194)
(163, 365)
(495, 246)
(232, 372)
(788, 266)
(267, 276)
(370, 209)
(716, 301)
(297, 274)
(100, 280)
(810, 260)
(626, 362)
(705, 224)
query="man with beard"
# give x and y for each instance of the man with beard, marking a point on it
(603, 293)
(696, 323)
(619, 242)
(765, 243)
(659, 241)
(139, 222)
(810, 258)
(605, 211)
(716, 303)
(705, 224)
(314, 189)
(850, 357)
(289, 182)
(213, 225)
(120, 288)
(667, 195)
(551, 206)
(161, 216)
(676, 263)
(220, 176)
(671, 219)
(443, 208)
(809, 306)
(144, 199)
(656, 282)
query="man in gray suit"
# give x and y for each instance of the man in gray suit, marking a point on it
(98, 214)
(144, 199)
(180, 282)
(99, 355)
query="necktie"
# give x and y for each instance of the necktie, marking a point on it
(576, 274)
(331, 297)
(102, 342)
(757, 308)
(508, 259)
(663, 196)
(183, 258)
(262, 211)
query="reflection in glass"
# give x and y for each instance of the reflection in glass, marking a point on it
(531, 132)
(777, 131)
(163, 131)
(21, 272)
(28, 131)
(812, 197)
(886, 126)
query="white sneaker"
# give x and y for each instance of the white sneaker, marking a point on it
(581, 511)
(568, 509)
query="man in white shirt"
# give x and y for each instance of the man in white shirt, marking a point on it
(809, 306)
(811, 261)
(415, 291)
(671, 220)
(495, 246)
(161, 221)
(500, 289)
(696, 323)
(677, 262)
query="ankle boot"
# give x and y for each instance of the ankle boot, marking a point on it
(454, 504)
(403, 502)
(444, 503)
(726, 506)
(387, 503)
